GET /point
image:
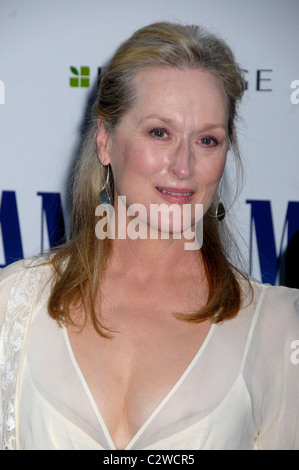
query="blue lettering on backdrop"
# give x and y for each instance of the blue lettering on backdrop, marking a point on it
(52, 210)
(10, 227)
(261, 220)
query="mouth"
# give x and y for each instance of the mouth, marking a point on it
(176, 195)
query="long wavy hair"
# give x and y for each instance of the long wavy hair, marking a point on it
(80, 263)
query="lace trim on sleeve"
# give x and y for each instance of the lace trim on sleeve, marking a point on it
(12, 340)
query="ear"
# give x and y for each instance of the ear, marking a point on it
(103, 141)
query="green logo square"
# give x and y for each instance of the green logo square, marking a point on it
(84, 82)
(74, 82)
(84, 71)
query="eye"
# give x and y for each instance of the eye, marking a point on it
(209, 141)
(159, 133)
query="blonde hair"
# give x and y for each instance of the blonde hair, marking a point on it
(80, 264)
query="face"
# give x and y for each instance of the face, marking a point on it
(170, 147)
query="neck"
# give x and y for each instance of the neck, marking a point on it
(148, 252)
(157, 260)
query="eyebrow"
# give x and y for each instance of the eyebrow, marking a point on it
(170, 121)
(157, 116)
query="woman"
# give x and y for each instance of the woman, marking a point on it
(123, 342)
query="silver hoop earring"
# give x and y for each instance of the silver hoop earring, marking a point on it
(104, 197)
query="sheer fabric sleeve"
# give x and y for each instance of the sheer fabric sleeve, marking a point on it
(282, 431)
(7, 278)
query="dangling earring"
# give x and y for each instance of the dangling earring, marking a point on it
(220, 212)
(105, 198)
(220, 209)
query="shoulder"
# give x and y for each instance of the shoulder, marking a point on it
(277, 300)
(10, 271)
(17, 278)
(8, 276)
(276, 309)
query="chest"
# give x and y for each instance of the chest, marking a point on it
(131, 373)
(143, 382)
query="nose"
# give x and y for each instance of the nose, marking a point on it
(181, 163)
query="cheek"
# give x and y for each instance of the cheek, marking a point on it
(210, 176)
(218, 171)
(211, 172)
(136, 160)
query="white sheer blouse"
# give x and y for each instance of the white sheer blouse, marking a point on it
(240, 391)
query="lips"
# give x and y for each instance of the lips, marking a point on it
(175, 195)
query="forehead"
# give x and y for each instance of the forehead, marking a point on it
(179, 92)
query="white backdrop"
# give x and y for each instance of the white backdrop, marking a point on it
(41, 113)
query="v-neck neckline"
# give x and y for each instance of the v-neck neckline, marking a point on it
(158, 408)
